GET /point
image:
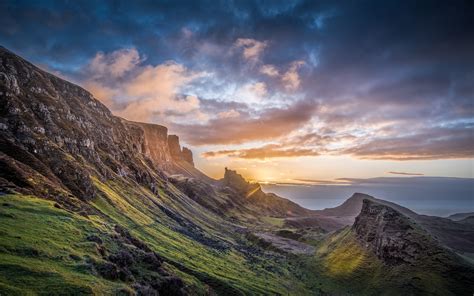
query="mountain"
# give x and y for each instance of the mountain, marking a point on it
(91, 203)
(270, 203)
(386, 252)
(460, 216)
(458, 236)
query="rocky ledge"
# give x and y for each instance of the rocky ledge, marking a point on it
(393, 237)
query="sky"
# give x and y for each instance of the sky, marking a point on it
(279, 90)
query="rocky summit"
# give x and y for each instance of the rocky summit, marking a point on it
(93, 204)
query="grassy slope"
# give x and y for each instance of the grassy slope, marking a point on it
(152, 226)
(43, 249)
(39, 241)
(346, 268)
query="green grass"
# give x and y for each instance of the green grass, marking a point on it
(44, 248)
(149, 224)
(277, 222)
(342, 266)
(36, 244)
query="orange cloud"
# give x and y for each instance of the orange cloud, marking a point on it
(252, 49)
(115, 64)
(269, 70)
(270, 124)
(145, 91)
(291, 78)
(267, 151)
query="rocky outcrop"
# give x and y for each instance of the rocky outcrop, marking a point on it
(177, 153)
(236, 181)
(252, 194)
(155, 143)
(393, 237)
(187, 155)
(55, 137)
(456, 235)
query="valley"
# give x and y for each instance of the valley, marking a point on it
(91, 203)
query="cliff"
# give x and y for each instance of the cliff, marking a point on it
(454, 234)
(92, 197)
(393, 237)
(386, 252)
(267, 203)
(162, 148)
(177, 153)
(63, 133)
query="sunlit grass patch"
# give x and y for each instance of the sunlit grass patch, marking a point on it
(43, 250)
(277, 222)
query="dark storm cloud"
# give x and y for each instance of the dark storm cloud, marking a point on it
(383, 67)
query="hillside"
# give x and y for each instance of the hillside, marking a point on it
(454, 234)
(460, 216)
(93, 204)
(386, 252)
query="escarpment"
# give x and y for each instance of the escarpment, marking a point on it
(55, 137)
(268, 202)
(177, 153)
(392, 236)
(162, 148)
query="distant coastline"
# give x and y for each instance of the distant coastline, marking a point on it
(437, 196)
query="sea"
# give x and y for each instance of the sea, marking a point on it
(435, 196)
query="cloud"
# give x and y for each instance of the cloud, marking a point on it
(115, 64)
(406, 174)
(228, 114)
(388, 77)
(434, 143)
(291, 78)
(265, 152)
(144, 91)
(252, 49)
(269, 124)
(269, 70)
(259, 88)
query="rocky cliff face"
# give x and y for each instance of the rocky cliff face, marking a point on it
(162, 148)
(177, 153)
(393, 237)
(155, 143)
(236, 181)
(66, 136)
(252, 194)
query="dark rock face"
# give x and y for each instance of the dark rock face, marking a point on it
(66, 137)
(393, 237)
(268, 203)
(187, 155)
(155, 144)
(176, 152)
(236, 181)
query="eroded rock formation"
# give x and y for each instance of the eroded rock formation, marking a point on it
(176, 152)
(393, 237)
